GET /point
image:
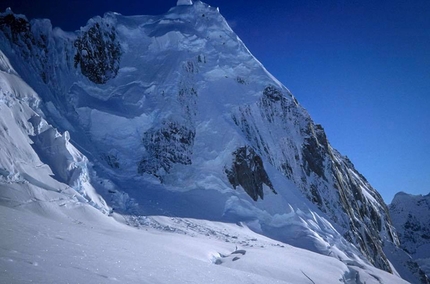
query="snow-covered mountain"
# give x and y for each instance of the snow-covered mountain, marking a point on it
(171, 115)
(411, 217)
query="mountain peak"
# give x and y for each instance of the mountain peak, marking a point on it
(410, 215)
(176, 117)
(184, 2)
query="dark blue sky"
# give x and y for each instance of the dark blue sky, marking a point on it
(361, 68)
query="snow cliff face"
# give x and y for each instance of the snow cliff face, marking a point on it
(411, 217)
(176, 116)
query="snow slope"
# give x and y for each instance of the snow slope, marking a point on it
(77, 244)
(172, 116)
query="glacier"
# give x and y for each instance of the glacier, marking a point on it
(154, 121)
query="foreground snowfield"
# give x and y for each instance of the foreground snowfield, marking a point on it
(59, 240)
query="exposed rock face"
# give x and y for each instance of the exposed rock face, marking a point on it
(171, 144)
(368, 218)
(417, 270)
(248, 171)
(299, 149)
(414, 233)
(98, 52)
(31, 44)
(14, 27)
(411, 217)
(313, 150)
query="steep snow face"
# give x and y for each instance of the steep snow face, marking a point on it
(411, 216)
(178, 118)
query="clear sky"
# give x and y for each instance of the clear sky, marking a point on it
(361, 68)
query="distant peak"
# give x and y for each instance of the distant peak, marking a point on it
(9, 11)
(184, 2)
